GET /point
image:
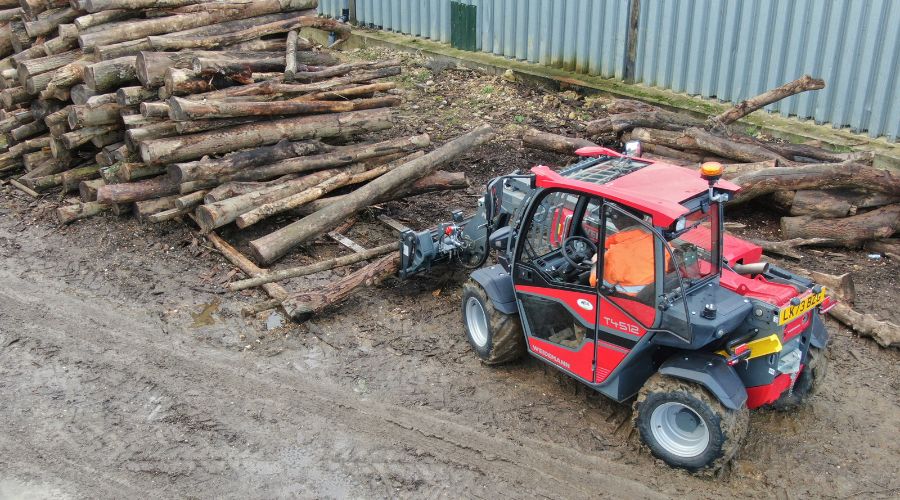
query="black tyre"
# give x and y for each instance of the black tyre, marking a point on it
(496, 337)
(687, 427)
(808, 383)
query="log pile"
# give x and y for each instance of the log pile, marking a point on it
(827, 198)
(215, 110)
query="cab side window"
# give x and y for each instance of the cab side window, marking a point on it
(562, 236)
(548, 225)
(629, 262)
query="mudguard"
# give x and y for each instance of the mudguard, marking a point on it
(819, 334)
(498, 285)
(710, 371)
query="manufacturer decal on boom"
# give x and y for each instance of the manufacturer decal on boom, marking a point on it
(791, 312)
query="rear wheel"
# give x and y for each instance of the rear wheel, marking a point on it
(808, 383)
(685, 426)
(496, 337)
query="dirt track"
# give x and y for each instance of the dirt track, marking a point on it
(109, 389)
(125, 373)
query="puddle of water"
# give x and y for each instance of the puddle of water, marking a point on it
(204, 317)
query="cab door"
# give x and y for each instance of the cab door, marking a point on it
(557, 304)
(628, 282)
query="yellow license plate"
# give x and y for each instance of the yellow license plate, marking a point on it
(792, 312)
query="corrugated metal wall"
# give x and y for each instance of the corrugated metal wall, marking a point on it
(723, 49)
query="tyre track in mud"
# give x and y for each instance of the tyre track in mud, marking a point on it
(205, 434)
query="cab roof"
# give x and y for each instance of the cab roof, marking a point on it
(655, 188)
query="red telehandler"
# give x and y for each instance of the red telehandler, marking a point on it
(672, 312)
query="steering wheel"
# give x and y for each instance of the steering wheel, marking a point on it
(578, 246)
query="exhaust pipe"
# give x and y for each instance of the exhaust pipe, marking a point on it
(750, 269)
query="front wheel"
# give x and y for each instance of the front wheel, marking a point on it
(496, 337)
(685, 426)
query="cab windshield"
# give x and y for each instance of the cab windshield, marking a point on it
(695, 245)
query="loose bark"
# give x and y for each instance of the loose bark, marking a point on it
(211, 168)
(70, 213)
(189, 147)
(554, 143)
(275, 245)
(850, 231)
(137, 191)
(185, 110)
(744, 108)
(301, 306)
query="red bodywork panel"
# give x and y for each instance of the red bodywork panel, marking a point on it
(657, 189)
(765, 394)
(579, 362)
(734, 249)
(609, 356)
(777, 294)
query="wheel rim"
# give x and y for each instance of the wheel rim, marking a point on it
(679, 430)
(476, 321)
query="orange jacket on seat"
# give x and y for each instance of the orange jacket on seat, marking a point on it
(627, 260)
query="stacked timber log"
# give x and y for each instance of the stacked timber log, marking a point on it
(219, 111)
(827, 198)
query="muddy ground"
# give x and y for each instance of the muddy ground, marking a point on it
(126, 372)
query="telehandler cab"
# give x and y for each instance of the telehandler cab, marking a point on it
(672, 310)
